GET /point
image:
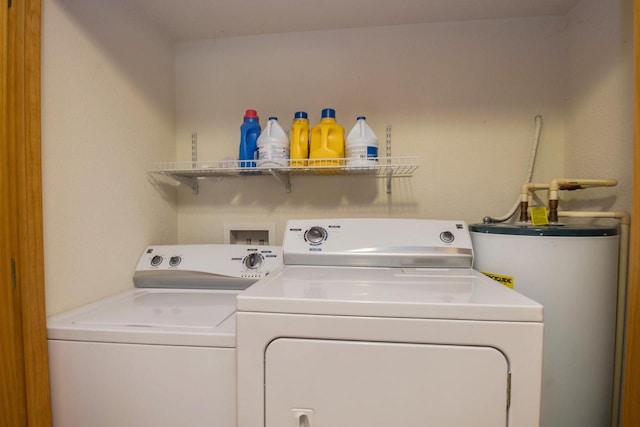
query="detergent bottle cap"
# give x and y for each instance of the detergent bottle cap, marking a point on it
(329, 113)
(300, 115)
(361, 118)
(273, 118)
(251, 114)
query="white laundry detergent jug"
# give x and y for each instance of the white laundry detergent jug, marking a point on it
(361, 148)
(273, 145)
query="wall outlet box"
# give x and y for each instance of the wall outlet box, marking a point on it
(263, 233)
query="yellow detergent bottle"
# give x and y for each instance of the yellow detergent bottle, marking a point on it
(327, 141)
(299, 146)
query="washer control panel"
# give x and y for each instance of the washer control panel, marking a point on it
(205, 266)
(381, 242)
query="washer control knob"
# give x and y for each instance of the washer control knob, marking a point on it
(447, 236)
(156, 261)
(253, 260)
(175, 261)
(315, 235)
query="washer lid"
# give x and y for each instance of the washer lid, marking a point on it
(431, 293)
(153, 316)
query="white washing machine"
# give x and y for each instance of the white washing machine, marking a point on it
(383, 322)
(163, 353)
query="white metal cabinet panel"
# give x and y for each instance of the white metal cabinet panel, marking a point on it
(322, 383)
(128, 385)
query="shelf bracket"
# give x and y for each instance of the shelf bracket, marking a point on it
(389, 168)
(191, 182)
(283, 178)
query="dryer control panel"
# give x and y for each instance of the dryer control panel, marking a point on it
(205, 266)
(378, 242)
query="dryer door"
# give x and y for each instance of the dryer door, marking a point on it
(327, 383)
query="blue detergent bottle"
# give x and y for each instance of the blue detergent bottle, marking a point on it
(249, 133)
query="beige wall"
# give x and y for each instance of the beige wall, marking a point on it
(461, 95)
(107, 112)
(599, 124)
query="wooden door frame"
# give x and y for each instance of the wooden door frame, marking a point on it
(22, 157)
(12, 400)
(631, 386)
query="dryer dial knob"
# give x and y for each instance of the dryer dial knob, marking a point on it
(447, 236)
(253, 261)
(315, 235)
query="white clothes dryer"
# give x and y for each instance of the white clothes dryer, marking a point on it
(163, 353)
(383, 322)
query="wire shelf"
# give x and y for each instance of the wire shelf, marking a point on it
(381, 167)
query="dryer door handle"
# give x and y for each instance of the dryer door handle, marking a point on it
(303, 417)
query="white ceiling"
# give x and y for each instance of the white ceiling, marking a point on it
(201, 19)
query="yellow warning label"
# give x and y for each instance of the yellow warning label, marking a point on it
(539, 215)
(505, 280)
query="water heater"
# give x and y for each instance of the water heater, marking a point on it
(572, 271)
